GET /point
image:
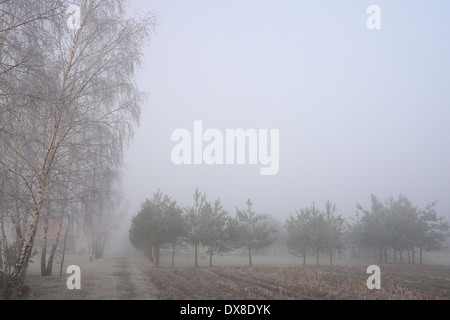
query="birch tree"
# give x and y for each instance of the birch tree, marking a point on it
(79, 85)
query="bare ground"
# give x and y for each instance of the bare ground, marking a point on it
(308, 282)
(132, 278)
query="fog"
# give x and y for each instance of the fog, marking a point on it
(359, 111)
(323, 109)
(224, 150)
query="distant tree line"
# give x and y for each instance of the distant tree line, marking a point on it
(162, 221)
(391, 225)
(398, 225)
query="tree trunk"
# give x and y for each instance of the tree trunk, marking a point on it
(26, 217)
(380, 254)
(196, 255)
(3, 243)
(250, 256)
(331, 256)
(210, 256)
(19, 238)
(304, 256)
(412, 254)
(20, 269)
(54, 247)
(150, 254)
(173, 254)
(395, 256)
(317, 256)
(420, 255)
(375, 255)
(401, 256)
(1, 32)
(385, 255)
(157, 253)
(44, 245)
(409, 256)
(156, 256)
(100, 248)
(64, 251)
(91, 250)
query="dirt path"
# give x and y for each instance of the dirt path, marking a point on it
(132, 283)
(109, 278)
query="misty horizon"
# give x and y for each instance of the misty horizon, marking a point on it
(360, 111)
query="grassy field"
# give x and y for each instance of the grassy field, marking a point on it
(272, 277)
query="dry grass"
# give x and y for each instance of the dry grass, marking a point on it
(131, 277)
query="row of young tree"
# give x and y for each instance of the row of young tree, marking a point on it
(316, 230)
(392, 224)
(68, 104)
(398, 225)
(162, 221)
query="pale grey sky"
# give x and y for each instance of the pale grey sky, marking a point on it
(359, 111)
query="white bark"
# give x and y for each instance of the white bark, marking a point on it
(3, 242)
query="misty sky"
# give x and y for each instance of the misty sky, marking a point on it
(359, 111)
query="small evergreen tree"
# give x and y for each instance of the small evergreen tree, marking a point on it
(334, 231)
(157, 222)
(299, 232)
(193, 216)
(215, 229)
(254, 231)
